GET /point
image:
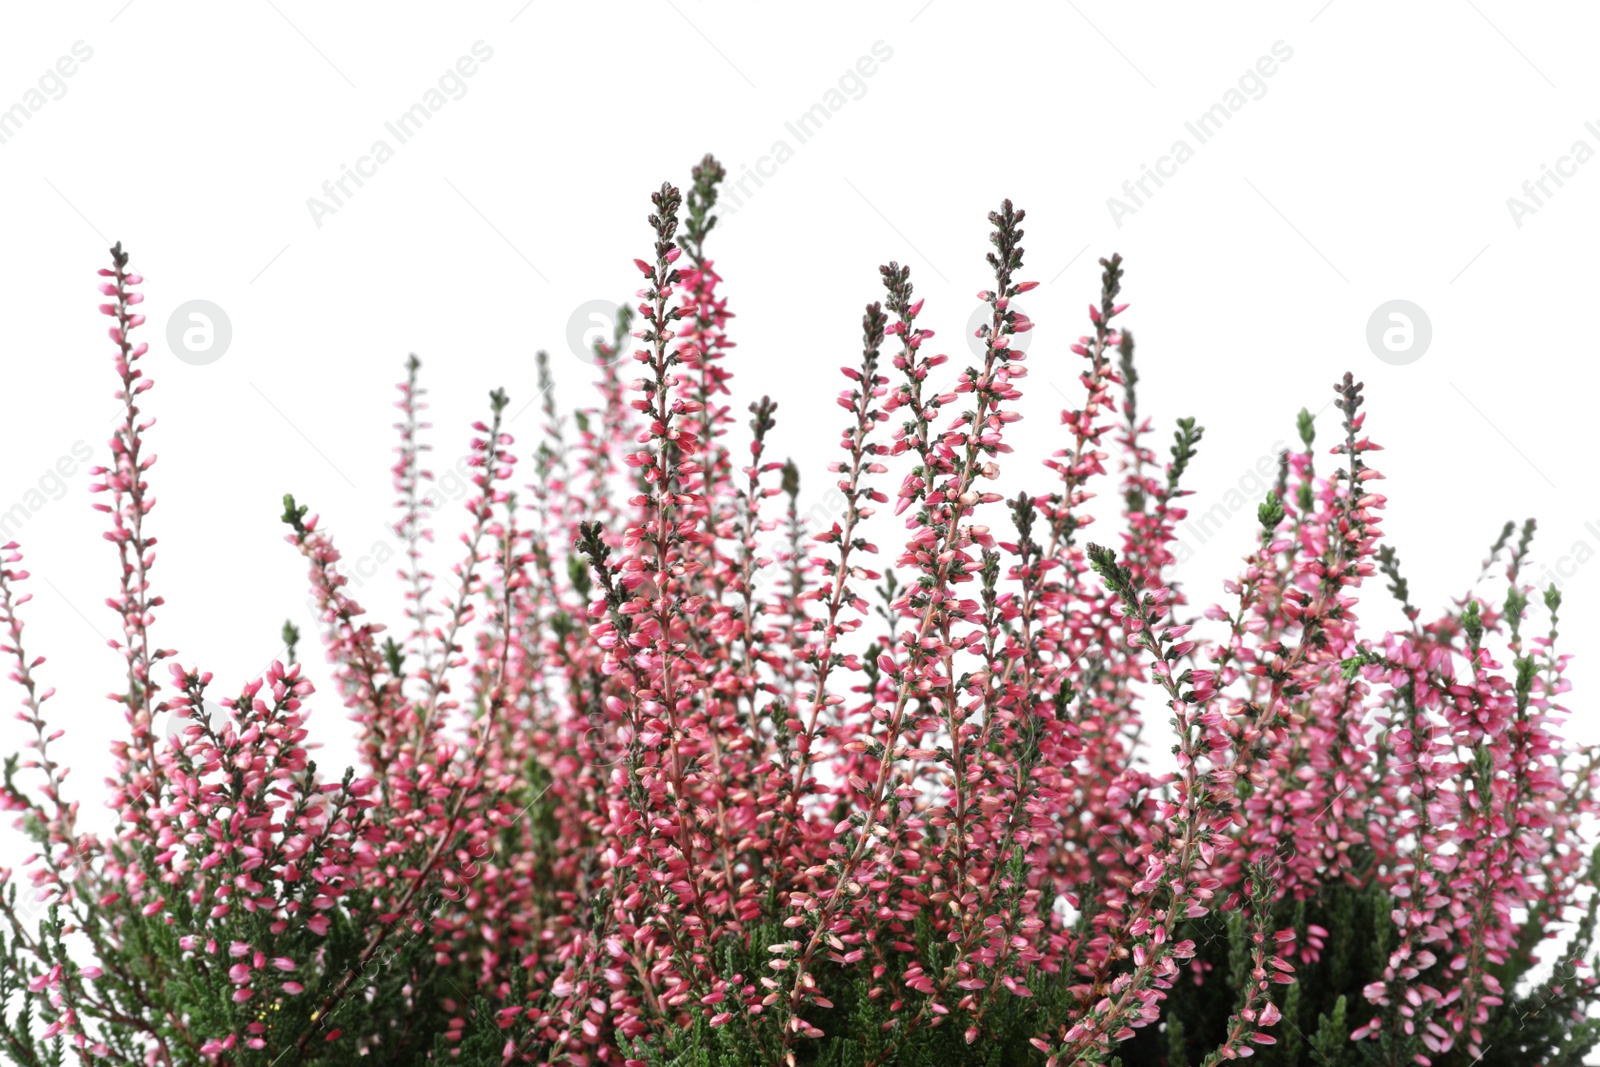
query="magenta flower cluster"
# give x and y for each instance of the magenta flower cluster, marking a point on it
(660, 758)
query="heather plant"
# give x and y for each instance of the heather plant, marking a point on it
(666, 774)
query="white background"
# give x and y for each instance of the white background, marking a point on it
(1376, 165)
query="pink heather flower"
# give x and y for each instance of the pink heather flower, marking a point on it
(662, 701)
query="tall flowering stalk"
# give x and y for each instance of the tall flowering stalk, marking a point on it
(672, 765)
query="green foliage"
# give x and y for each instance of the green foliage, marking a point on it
(1319, 1011)
(1543, 1025)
